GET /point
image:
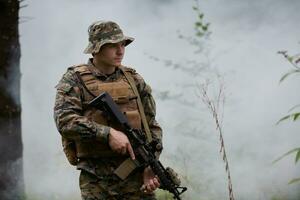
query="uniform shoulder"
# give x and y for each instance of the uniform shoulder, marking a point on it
(79, 68)
(69, 77)
(134, 73)
(129, 69)
(142, 86)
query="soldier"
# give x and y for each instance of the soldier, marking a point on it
(91, 140)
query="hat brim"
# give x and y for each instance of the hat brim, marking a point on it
(95, 47)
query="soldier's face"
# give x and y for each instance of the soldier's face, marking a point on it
(111, 54)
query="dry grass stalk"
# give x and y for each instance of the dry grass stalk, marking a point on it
(217, 110)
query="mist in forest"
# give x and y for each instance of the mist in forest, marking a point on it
(242, 49)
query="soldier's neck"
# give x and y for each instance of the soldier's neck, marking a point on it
(105, 69)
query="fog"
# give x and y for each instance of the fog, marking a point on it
(246, 36)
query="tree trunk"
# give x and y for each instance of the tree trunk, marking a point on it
(11, 148)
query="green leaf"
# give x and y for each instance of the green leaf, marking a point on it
(198, 24)
(294, 180)
(195, 8)
(296, 115)
(290, 58)
(286, 154)
(284, 118)
(297, 156)
(293, 116)
(296, 106)
(201, 16)
(289, 73)
(199, 34)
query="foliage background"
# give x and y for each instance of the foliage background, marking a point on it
(242, 48)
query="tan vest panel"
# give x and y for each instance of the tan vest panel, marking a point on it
(123, 96)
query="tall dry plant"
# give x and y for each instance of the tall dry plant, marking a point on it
(216, 107)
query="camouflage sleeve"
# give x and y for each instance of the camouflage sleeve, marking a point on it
(68, 112)
(149, 107)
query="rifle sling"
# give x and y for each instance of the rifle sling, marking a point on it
(139, 102)
(83, 84)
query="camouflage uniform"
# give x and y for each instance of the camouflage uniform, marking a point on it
(97, 180)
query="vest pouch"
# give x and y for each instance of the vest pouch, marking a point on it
(119, 91)
(134, 119)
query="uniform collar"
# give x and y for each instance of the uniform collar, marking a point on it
(101, 75)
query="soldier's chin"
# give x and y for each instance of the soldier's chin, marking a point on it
(118, 63)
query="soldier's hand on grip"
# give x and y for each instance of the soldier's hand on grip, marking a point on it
(151, 181)
(119, 143)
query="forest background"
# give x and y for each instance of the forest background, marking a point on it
(241, 49)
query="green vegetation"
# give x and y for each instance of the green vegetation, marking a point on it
(294, 112)
(163, 195)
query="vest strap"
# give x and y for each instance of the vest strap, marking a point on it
(83, 84)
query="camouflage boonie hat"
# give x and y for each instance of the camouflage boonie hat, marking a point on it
(103, 32)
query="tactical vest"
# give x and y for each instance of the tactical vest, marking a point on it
(123, 95)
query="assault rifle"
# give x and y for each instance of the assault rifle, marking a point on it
(144, 152)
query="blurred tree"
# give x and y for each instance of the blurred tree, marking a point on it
(11, 148)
